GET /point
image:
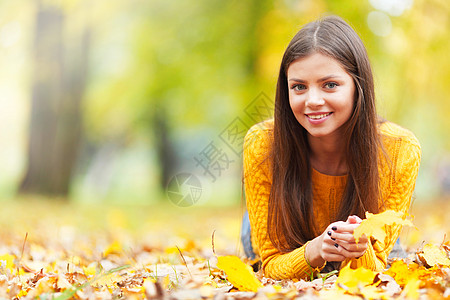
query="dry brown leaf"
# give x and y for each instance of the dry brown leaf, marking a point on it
(388, 284)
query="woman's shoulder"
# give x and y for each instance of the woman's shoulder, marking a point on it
(394, 133)
(259, 136)
(401, 151)
(399, 164)
(264, 126)
(257, 148)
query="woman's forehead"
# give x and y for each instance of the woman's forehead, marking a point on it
(316, 63)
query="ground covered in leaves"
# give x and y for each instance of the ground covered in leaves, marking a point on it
(53, 250)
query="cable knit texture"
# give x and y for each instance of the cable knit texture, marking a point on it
(398, 173)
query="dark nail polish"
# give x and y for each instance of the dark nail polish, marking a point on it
(334, 228)
(329, 233)
(333, 239)
(336, 245)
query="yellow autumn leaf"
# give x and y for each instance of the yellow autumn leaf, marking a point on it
(432, 255)
(91, 269)
(374, 224)
(240, 275)
(108, 280)
(114, 248)
(22, 293)
(401, 272)
(166, 282)
(373, 292)
(411, 290)
(353, 278)
(171, 250)
(46, 284)
(7, 262)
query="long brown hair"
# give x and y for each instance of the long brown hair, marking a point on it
(290, 216)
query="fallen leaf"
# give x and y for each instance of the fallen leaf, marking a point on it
(335, 293)
(389, 285)
(62, 283)
(239, 274)
(403, 273)
(353, 278)
(374, 224)
(432, 255)
(411, 290)
(7, 262)
(114, 248)
(22, 293)
(372, 292)
(400, 271)
(304, 285)
(91, 269)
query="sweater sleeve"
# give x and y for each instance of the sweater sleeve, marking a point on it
(257, 182)
(400, 179)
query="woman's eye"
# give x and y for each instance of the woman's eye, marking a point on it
(331, 85)
(299, 87)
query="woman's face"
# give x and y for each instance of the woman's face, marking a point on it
(321, 95)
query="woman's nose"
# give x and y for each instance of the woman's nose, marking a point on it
(315, 98)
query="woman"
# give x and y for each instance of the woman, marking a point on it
(312, 172)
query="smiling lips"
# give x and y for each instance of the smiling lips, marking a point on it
(318, 116)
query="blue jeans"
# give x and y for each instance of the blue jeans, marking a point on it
(246, 237)
(246, 240)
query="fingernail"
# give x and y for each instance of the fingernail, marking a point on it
(333, 239)
(329, 233)
(334, 228)
(336, 245)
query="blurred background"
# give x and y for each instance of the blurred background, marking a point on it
(145, 102)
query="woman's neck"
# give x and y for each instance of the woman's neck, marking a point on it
(328, 156)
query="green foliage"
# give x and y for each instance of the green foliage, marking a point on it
(200, 64)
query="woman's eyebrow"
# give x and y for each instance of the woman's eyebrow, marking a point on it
(319, 80)
(297, 80)
(329, 77)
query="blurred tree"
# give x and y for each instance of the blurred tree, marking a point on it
(191, 65)
(216, 60)
(59, 80)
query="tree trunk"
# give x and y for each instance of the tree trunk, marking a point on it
(55, 117)
(166, 154)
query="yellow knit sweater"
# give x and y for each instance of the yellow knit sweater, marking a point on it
(397, 181)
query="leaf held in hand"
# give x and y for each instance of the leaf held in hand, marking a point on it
(374, 224)
(239, 274)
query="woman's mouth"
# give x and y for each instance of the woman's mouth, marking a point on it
(318, 116)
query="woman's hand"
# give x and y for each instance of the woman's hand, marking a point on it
(343, 237)
(336, 243)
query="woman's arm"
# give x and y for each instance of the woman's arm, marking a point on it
(400, 179)
(257, 189)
